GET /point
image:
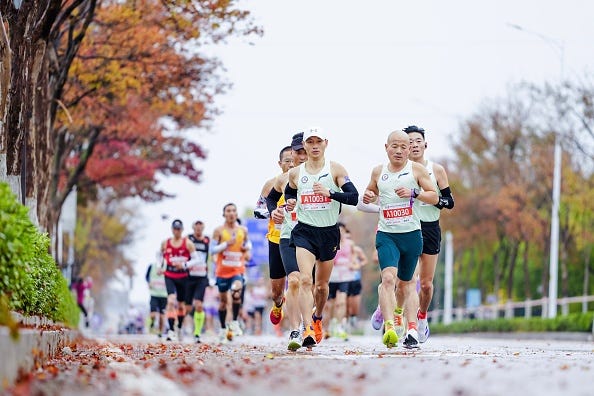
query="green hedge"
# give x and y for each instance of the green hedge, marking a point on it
(29, 277)
(579, 322)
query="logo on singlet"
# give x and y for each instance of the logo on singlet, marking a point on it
(385, 177)
(304, 179)
(403, 174)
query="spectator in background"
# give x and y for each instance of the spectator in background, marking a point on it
(80, 285)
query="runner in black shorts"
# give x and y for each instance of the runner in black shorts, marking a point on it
(287, 220)
(177, 252)
(429, 215)
(317, 188)
(198, 279)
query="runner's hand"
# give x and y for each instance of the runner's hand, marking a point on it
(290, 204)
(368, 197)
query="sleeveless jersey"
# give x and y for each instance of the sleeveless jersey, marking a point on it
(289, 222)
(176, 254)
(156, 282)
(201, 268)
(397, 215)
(341, 272)
(315, 209)
(274, 230)
(428, 212)
(231, 261)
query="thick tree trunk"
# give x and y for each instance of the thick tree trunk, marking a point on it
(26, 144)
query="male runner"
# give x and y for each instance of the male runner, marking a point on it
(429, 216)
(317, 188)
(198, 277)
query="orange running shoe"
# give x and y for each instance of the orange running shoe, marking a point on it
(309, 339)
(317, 328)
(276, 313)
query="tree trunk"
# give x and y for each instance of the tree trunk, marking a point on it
(25, 129)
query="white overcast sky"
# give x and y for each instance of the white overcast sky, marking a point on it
(360, 70)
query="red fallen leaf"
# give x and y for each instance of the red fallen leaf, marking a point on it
(247, 360)
(53, 370)
(113, 375)
(186, 368)
(361, 376)
(380, 355)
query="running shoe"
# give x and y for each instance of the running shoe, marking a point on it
(318, 329)
(235, 328)
(224, 336)
(390, 338)
(399, 324)
(171, 335)
(424, 332)
(412, 339)
(295, 340)
(377, 319)
(309, 338)
(197, 339)
(276, 313)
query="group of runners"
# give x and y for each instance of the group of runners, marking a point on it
(312, 260)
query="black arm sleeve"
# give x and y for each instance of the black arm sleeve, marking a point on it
(148, 274)
(290, 193)
(348, 196)
(446, 200)
(272, 199)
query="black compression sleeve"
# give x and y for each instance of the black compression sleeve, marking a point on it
(446, 200)
(348, 196)
(272, 199)
(290, 193)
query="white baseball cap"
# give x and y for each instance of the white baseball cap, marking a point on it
(314, 131)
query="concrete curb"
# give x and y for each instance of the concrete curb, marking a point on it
(34, 347)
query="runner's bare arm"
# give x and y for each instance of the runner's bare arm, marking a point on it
(428, 194)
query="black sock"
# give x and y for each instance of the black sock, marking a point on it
(222, 317)
(236, 307)
(171, 322)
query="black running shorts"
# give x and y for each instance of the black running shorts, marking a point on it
(275, 262)
(431, 237)
(322, 242)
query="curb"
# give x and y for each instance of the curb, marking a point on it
(33, 347)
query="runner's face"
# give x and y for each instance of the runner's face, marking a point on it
(286, 161)
(315, 146)
(299, 157)
(231, 214)
(417, 146)
(398, 149)
(177, 232)
(198, 229)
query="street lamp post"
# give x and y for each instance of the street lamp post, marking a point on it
(557, 45)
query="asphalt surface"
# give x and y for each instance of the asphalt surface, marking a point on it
(251, 365)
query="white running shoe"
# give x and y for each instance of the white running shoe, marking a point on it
(412, 339)
(235, 328)
(377, 319)
(424, 332)
(223, 336)
(171, 336)
(295, 340)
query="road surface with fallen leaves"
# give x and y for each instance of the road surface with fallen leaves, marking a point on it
(251, 365)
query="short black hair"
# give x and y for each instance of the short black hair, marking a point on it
(414, 128)
(280, 155)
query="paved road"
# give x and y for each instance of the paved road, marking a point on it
(140, 365)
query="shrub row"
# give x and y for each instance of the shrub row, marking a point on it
(30, 281)
(578, 322)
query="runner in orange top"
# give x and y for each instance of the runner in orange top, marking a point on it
(231, 245)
